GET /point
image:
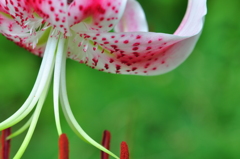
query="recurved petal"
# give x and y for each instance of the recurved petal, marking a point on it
(133, 18)
(142, 53)
(192, 22)
(129, 53)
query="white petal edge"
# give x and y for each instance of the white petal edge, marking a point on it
(133, 18)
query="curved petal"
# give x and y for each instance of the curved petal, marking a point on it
(98, 15)
(128, 53)
(53, 12)
(192, 23)
(10, 28)
(143, 53)
(78, 11)
(21, 36)
(106, 14)
(19, 10)
(3, 7)
(133, 18)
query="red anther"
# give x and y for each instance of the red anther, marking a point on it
(124, 154)
(106, 143)
(5, 144)
(63, 147)
(69, 1)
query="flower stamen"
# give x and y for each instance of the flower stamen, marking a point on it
(124, 154)
(63, 147)
(41, 82)
(21, 130)
(33, 124)
(5, 144)
(106, 143)
(60, 56)
(70, 117)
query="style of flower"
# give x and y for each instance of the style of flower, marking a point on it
(80, 30)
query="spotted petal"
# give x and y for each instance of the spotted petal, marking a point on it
(78, 11)
(143, 53)
(16, 33)
(19, 10)
(53, 12)
(3, 7)
(133, 18)
(106, 14)
(101, 15)
(128, 53)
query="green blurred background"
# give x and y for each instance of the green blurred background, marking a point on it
(192, 112)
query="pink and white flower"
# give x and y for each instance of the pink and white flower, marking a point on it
(80, 30)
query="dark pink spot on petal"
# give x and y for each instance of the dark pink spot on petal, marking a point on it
(136, 44)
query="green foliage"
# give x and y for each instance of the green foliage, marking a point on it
(190, 113)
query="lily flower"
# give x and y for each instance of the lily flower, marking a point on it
(82, 30)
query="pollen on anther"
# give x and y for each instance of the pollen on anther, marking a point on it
(124, 154)
(63, 147)
(105, 143)
(5, 144)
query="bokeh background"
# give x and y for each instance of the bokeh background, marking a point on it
(192, 112)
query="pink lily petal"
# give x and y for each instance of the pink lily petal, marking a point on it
(19, 23)
(100, 15)
(143, 53)
(3, 7)
(78, 11)
(191, 22)
(105, 14)
(133, 18)
(127, 53)
(19, 10)
(14, 32)
(53, 12)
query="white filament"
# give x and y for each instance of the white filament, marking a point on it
(70, 117)
(38, 87)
